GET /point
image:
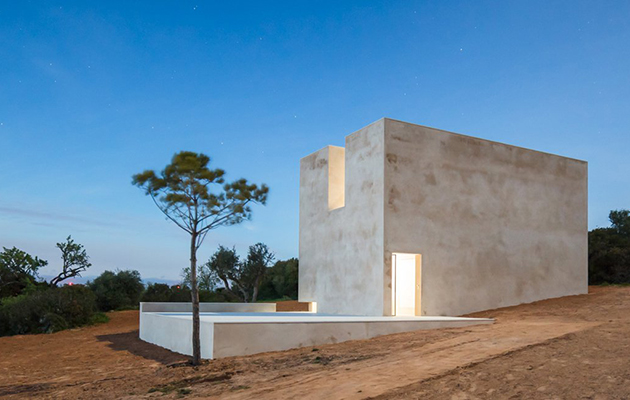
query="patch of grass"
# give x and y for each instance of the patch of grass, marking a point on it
(324, 360)
(99, 318)
(317, 360)
(166, 389)
(182, 386)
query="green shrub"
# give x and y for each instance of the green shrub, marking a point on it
(280, 281)
(99, 318)
(19, 272)
(47, 311)
(219, 295)
(180, 294)
(609, 251)
(608, 257)
(160, 292)
(116, 291)
(156, 292)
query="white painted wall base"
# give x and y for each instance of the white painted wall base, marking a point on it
(238, 334)
(159, 329)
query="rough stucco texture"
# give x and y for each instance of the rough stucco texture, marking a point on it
(340, 268)
(496, 225)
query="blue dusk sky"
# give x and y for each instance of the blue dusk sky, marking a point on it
(93, 92)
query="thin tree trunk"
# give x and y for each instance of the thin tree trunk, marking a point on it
(229, 287)
(195, 301)
(255, 294)
(227, 284)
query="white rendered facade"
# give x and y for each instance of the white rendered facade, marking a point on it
(487, 225)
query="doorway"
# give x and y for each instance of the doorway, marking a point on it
(406, 279)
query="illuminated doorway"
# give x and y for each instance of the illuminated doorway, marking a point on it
(406, 278)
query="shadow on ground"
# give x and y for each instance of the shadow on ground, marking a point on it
(129, 341)
(23, 389)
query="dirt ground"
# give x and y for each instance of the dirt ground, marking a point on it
(575, 347)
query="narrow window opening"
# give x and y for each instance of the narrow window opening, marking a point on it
(336, 177)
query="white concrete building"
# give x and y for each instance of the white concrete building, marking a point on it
(411, 220)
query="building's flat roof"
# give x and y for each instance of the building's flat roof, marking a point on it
(456, 134)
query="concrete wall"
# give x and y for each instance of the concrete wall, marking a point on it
(175, 333)
(207, 307)
(239, 339)
(152, 327)
(496, 225)
(341, 248)
(225, 335)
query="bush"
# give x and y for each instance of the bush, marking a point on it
(160, 292)
(157, 292)
(116, 291)
(47, 311)
(18, 272)
(219, 295)
(609, 257)
(280, 281)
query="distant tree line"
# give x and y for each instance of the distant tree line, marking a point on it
(609, 251)
(29, 304)
(256, 277)
(19, 270)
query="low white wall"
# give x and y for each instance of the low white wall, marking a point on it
(208, 307)
(239, 339)
(225, 339)
(175, 333)
(225, 335)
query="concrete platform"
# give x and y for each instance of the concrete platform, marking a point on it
(236, 334)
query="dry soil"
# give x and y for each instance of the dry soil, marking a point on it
(574, 347)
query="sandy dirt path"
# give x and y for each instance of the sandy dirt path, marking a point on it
(371, 378)
(573, 347)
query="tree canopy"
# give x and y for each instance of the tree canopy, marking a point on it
(609, 250)
(242, 278)
(620, 220)
(197, 199)
(183, 191)
(18, 270)
(74, 261)
(117, 290)
(281, 280)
